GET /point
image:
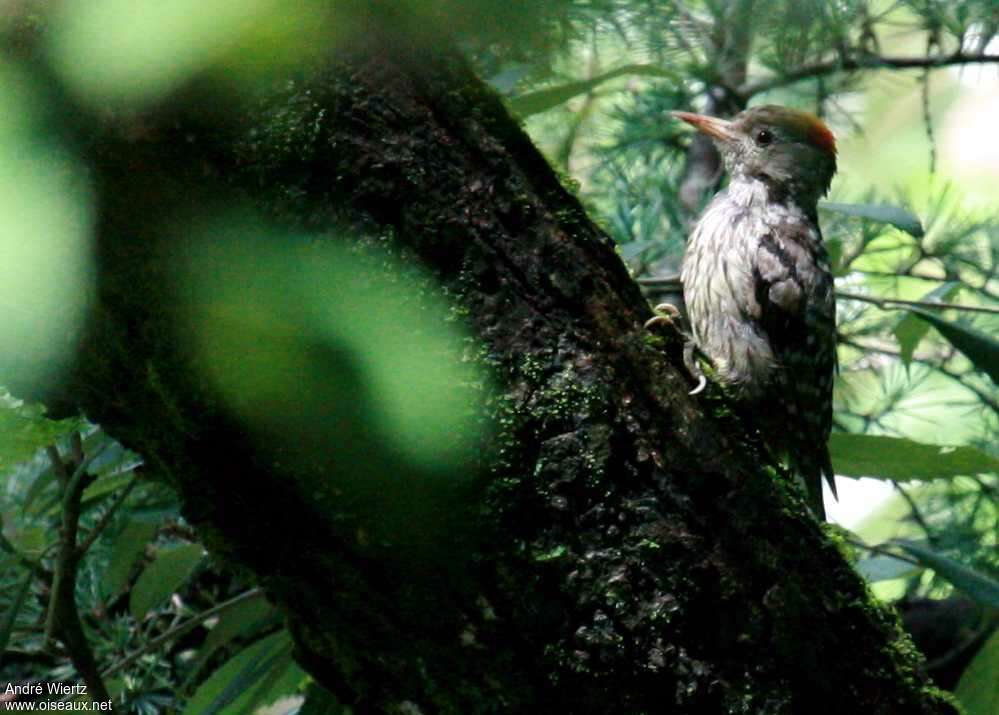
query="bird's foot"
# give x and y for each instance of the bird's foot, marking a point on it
(667, 315)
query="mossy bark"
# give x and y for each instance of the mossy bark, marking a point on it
(626, 550)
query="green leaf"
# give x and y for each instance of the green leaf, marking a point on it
(285, 678)
(882, 567)
(105, 485)
(241, 619)
(112, 459)
(29, 541)
(127, 547)
(23, 431)
(900, 460)
(261, 672)
(911, 330)
(974, 584)
(163, 577)
(244, 618)
(981, 349)
(39, 484)
(978, 689)
(536, 102)
(894, 215)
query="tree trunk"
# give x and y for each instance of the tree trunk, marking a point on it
(625, 549)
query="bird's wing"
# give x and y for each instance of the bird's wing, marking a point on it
(794, 289)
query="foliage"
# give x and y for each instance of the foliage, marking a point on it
(158, 616)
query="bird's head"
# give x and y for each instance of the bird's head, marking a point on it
(789, 150)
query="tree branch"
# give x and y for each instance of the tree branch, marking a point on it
(916, 513)
(868, 62)
(900, 304)
(882, 550)
(179, 630)
(674, 282)
(542, 100)
(63, 619)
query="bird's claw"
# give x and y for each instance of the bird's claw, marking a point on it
(665, 315)
(702, 382)
(656, 321)
(694, 367)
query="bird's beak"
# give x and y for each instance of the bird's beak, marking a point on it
(712, 126)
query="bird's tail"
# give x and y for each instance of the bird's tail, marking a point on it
(812, 465)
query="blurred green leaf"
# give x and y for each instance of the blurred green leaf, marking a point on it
(130, 543)
(981, 349)
(862, 455)
(881, 567)
(978, 689)
(911, 330)
(896, 216)
(160, 579)
(135, 51)
(541, 101)
(329, 351)
(974, 584)
(45, 226)
(256, 675)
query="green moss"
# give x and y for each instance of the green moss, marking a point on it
(551, 554)
(841, 539)
(903, 655)
(653, 341)
(933, 694)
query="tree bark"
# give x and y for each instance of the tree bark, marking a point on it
(626, 548)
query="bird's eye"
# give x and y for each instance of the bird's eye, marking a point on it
(764, 137)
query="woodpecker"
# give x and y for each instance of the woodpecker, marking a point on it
(758, 287)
